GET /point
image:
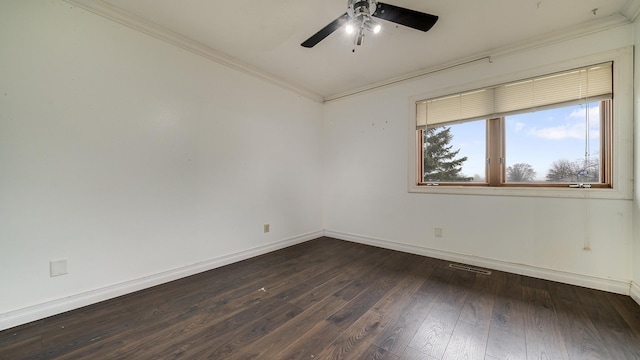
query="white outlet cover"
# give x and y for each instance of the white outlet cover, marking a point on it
(57, 268)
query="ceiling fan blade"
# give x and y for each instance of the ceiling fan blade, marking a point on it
(326, 31)
(407, 17)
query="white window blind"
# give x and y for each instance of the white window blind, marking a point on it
(581, 85)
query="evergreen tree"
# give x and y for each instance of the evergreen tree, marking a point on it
(440, 162)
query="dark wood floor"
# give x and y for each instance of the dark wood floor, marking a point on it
(330, 299)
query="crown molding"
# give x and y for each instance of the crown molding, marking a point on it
(627, 15)
(632, 10)
(573, 32)
(120, 16)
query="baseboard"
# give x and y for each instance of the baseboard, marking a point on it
(41, 311)
(635, 291)
(610, 285)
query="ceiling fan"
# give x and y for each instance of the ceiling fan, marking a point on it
(359, 18)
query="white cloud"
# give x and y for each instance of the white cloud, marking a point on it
(580, 114)
(519, 126)
(573, 128)
(561, 132)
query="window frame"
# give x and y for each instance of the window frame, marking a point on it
(620, 179)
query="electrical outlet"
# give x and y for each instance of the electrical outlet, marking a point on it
(57, 268)
(266, 228)
(437, 232)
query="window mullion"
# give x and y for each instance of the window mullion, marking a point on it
(495, 151)
(420, 156)
(606, 142)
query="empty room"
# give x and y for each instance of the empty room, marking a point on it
(304, 179)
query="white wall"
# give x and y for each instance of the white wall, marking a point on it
(130, 157)
(366, 196)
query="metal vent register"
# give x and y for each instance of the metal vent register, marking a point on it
(469, 268)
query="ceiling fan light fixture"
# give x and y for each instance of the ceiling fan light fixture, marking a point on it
(372, 26)
(349, 29)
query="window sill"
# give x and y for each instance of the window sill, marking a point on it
(556, 192)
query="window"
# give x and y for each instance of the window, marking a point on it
(550, 131)
(588, 140)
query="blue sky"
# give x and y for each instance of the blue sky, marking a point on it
(537, 138)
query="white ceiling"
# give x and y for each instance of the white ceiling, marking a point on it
(265, 35)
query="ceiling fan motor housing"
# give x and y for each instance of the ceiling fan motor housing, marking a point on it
(358, 8)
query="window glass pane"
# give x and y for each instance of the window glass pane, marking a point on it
(455, 153)
(559, 145)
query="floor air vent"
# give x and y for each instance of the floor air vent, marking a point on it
(469, 268)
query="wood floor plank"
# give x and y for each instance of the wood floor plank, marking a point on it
(436, 330)
(396, 336)
(232, 342)
(507, 330)
(468, 341)
(628, 310)
(218, 308)
(356, 339)
(375, 353)
(413, 354)
(268, 346)
(469, 338)
(328, 298)
(179, 336)
(313, 342)
(366, 275)
(585, 341)
(276, 290)
(326, 289)
(478, 308)
(610, 324)
(544, 334)
(380, 281)
(343, 272)
(21, 349)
